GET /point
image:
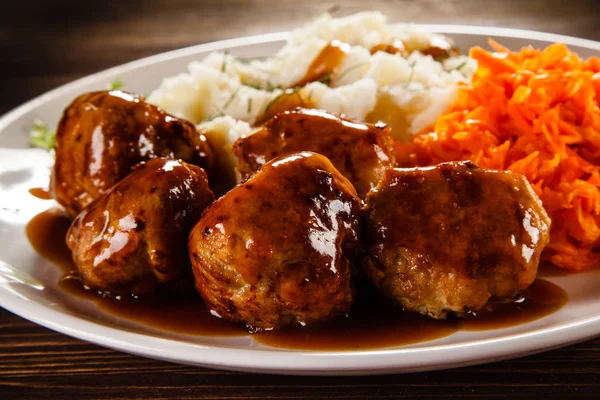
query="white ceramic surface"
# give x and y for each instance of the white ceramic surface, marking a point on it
(28, 283)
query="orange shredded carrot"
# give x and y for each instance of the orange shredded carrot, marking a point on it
(537, 113)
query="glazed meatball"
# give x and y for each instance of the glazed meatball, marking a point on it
(449, 238)
(278, 249)
(102, 135)
(360, 151)
(133, 239)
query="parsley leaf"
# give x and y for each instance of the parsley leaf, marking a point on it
(41, 136)
(116, 84)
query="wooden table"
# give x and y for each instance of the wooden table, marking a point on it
(46, 44)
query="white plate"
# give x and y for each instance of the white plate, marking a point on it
(28, 283)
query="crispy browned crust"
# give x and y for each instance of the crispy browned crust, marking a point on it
(278, 249)
(453, 236)
(359, 151)
(103, 135)
(133, 239)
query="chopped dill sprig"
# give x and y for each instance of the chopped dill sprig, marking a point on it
(460, 67)
(230, 99)
(224, 65)
(116, 84)
(325, 79)
(41, 136)
(271, 87)
(273, 100)
(412, 74)
(257, 87)
(350, 69)
(289, 92)
(217, 115)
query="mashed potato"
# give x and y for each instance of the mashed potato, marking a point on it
(408, 91)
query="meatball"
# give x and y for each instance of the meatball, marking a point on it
(279, 248)
(102, 135)
(360, 151)
(451, 237)
(133, 239)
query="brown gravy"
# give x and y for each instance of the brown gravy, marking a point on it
(392, 48)
(322, 67)
(41, 193)
(372, 323)
(186, 314)
(288, 100)
(47, 232)
(326, 63)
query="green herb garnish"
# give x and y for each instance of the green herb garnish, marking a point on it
(224, 65)
(412, 73)
(325, 79)
(350, 69)
(257, 87)
(41, 136)
(230, 99)
(271, 87)
(116, 84)
(217, 115)
(288, 92)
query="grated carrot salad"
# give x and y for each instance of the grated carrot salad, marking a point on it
(534, 112)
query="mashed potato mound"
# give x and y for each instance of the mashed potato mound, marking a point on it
(406, 91)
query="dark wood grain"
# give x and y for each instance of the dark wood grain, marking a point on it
(46, 44)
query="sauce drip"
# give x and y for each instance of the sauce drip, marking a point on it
(372, 323)
(439, 49)
(47, 234)
(41, 193)
(392, 48)
(322, 67)
(288, 100)
(326, 63)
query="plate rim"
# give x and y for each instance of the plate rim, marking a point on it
(284, 361)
